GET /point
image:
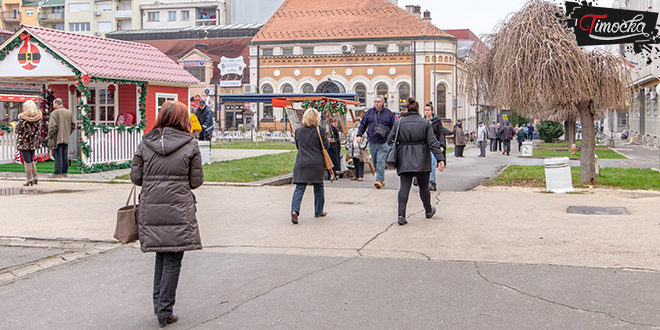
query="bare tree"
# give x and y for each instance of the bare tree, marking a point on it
(535, 65)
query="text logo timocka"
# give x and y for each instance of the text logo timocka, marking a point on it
(604, 26)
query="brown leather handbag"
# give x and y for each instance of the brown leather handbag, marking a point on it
(326, 157)
(127, 227)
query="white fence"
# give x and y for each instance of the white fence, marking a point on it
(8, 148)
(112, 146)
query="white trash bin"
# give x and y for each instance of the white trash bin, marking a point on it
(205, 150)
(527, 149)
(558, 175)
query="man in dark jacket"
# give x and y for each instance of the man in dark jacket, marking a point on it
(205, 118)
(507, 134)
(377, 122)
(530, 131)
(60, 126)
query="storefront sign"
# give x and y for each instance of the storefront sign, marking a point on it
(194, 63)
(30, 60)
(604, 26)
(232, 65)
(230, 83)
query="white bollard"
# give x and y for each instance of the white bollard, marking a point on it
(205, 150)
(558, 175)
(527, 149)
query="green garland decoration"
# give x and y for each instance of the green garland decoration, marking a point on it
(10, 46)
(109, 166)
(326, 105)
(6, 128)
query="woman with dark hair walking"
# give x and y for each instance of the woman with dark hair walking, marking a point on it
(440, 133)
(168, 165)
(415, 141)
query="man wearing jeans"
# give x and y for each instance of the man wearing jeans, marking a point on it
(377, 116)
(60, 126)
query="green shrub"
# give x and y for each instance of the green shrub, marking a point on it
(550, 130)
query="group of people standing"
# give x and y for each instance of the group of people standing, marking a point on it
(419, 141)
(500, 137)
(28, 129)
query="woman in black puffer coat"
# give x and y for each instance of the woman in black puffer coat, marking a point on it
(168, 165)
(414, 140)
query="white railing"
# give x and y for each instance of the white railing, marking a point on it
(8, 148)
(112, 146)
(123, 14)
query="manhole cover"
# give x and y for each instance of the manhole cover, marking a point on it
(25, 191)
(597, 210)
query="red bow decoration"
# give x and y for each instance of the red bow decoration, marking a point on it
(72, 89)
(86, 79)
(25, 37)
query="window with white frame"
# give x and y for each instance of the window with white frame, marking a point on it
(78, 6)
(79, 27)
(198, 72)
(56, 10)
(161, 98)
(153, 16)
(104, 6)
(29, 12)
(102, 105)
(268, 52)
(105, 26)
(171, 15)
(185, 15)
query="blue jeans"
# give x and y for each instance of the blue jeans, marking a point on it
(61, 155)
(319, 197)
(433, 162)
(166, 279)
(378, 156)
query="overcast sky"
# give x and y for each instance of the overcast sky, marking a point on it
(480, 16)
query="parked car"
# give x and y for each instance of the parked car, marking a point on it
(624, 134)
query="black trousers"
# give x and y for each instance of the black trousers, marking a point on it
(493, 146)
(61, 155)
(507, 146)
(166, 279)
(458, 151)
(28, 156)
(404, 190)
(359, 167)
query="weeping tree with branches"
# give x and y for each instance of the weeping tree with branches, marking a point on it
(535, 66)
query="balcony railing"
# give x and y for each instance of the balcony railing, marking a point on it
(10, 15)
(206, 22)
(50, 17)
(124, 14)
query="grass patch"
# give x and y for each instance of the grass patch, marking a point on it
(610, 177)
(245, 169)
(253, 145)
(42, 167)
(561, 149)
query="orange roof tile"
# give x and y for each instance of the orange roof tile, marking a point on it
(298, 20)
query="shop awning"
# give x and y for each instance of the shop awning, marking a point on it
(17, 98)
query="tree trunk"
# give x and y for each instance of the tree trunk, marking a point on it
(588, 156)
(569, 127)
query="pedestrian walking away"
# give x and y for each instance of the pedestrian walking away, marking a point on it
(309, 167)
(60, 126)
(205, 117)
(459, 140)
(498, 139)
(28, 130)
(440, 133)
(168, 166)
(482, 138)
(357, 151)
(520, 138)
(530, 131)
(414, 140)
(507, 133)
(377, 122)
(492, 135)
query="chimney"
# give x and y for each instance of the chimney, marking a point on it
(427, 15)
(410, 9)
(418, 11)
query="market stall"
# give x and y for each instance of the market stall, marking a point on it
(114, 88)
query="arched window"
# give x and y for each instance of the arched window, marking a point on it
(267, 89)
(307, 88)
(330, 86)
(361, 91)
(441, 101)
(404, 94)
(381, 90)
(287, 89)
(268, 107)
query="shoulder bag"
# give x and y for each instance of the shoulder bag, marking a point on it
(391, 160)
(127, 227)
(380, 130)
(326, 157)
